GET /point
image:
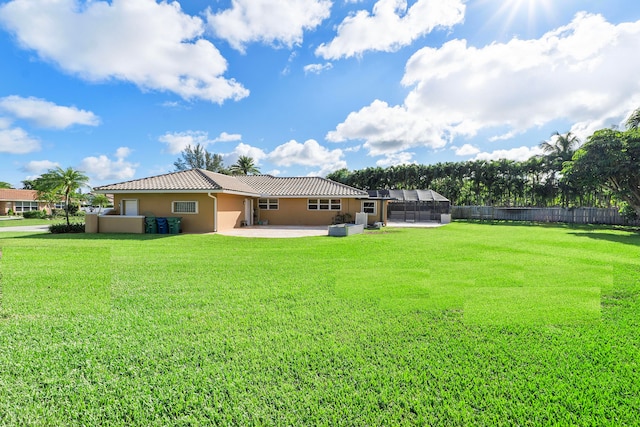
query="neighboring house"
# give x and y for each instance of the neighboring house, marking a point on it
(208, 201)
(19, 201)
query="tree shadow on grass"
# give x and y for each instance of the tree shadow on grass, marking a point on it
(627, 239)
(560, 225)
(90, 237)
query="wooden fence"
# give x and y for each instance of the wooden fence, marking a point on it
(566, 215)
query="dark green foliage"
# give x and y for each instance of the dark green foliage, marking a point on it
(535, 182)
(199, 158)
(64, 182)
(244, 166)
(609, 159)
(35, 214)
(66, 228)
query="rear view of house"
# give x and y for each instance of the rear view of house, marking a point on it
(209, 202)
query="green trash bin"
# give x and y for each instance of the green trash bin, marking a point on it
(150, 225)
(174, 224)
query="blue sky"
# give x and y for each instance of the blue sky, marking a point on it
(117, 89)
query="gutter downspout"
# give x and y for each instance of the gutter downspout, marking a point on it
(215, 212)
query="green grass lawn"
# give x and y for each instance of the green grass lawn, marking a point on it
(468, 324)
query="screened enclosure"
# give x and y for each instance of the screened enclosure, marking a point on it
(413, 205)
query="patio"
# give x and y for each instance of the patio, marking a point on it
(289, 231)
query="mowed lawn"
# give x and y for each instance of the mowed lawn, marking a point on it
(467, 324)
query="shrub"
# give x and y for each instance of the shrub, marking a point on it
(35, 214)
(627, 212)
(11, 212)
(64, 228)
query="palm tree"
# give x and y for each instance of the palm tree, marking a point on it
(99, 200)
(560, 148)
(65, 182)
(244, 166)
(633, 122)
(558, 152)
(5, 185)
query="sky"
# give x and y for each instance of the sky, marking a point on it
(117, 89)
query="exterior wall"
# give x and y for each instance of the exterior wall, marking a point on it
(159, 205)
(381, 212)
(295, 212)
(118, 224)
(6, 206)
(230, 209)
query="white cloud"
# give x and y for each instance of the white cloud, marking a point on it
(317, 68)
(47, 114)
(466, 150)
(584, 73)
(39, 166)
(273, 22)
(176, 142)
(309, 153)
(402, 158)
(228, 137)
(518, 154)
(391, 26)
(103, 168)
(388, 129)
(16, 140)
(153, 45)
(242, 149)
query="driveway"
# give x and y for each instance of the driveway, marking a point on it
(36, 228)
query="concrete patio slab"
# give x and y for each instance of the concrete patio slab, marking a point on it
(276, 231)
(288, 231)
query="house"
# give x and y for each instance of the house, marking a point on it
(20, 201)
(209, 202)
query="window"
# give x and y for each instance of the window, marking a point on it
(369, 207)
(184, 207)
(26, 206)
(268, 204)
(324, 204)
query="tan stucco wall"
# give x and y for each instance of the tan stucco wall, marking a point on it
(230, 209)
(6, 206)
(120, 224)
(295, 212)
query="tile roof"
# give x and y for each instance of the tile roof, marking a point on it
(189, 180)
(12, 195)
(264, 185)
(268, 185)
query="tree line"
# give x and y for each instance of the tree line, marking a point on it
(603, 172)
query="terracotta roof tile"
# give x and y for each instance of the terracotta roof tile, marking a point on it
(265, 185)
(12, 195)
(300, 186)
(189, 180)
